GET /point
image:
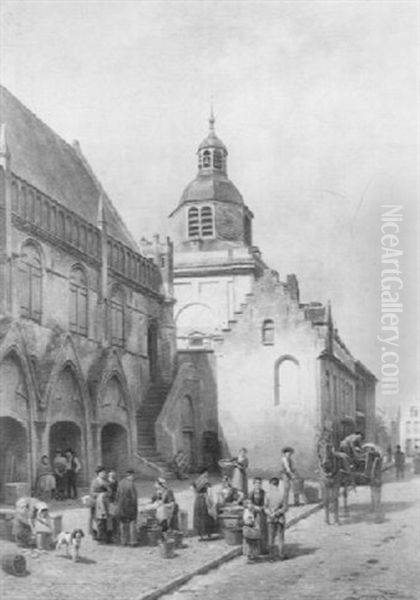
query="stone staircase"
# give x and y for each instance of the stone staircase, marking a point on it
(146, 417)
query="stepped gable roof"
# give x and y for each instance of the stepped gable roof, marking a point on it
(54, 167)
(212, 186)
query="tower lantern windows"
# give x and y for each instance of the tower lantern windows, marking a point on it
(217, 159)
(206, 158)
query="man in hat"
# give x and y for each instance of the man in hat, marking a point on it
(275, 507)
(98, 486)
(126, 501)
(287, 469)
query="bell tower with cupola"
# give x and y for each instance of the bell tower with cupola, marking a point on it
(215, 263)
(212, 153)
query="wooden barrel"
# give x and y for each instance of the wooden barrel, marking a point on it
(167, 548)
(178, 538)
(233, 537)
(154, 535)
(14, 564)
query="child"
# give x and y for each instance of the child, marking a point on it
(251, 532)
(43, 527)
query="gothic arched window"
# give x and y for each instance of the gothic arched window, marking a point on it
(268, 332)
(30, 282)
(193, 222)
(206, 221)
(78, 301)
(117, 317)
(286, 380)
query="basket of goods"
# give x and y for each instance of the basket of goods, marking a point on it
(227, 465)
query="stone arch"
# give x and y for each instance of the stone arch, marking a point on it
(18, 411)
(67, 400)
(194, 318)
(67, 356)
(115, 418)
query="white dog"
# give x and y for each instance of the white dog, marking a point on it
(72, 541)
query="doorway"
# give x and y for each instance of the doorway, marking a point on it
(114, 447)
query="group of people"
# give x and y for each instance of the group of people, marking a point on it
(114, 507)
(263, 515)
(59, 480)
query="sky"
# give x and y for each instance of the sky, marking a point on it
(317, 102)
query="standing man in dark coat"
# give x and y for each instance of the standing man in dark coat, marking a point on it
(399, 461)
(126, 500)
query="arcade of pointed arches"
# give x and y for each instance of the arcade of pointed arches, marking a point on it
(101, 433)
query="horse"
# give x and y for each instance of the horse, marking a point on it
(336, 473)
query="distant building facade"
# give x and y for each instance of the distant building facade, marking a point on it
(410, 427)
(87, 340)
(278, 373)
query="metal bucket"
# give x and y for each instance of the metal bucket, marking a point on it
(178, 537)
(167, 548)
(43, 540)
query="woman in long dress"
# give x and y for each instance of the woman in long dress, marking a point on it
(204, 521)
(257, 498)
(240, 476)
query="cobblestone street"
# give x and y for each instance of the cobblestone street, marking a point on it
(111, 572)
(359, 560)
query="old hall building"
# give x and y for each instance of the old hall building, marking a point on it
(87, 343)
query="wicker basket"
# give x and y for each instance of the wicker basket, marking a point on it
(226, 465)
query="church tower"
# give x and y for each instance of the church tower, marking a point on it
(215, 263)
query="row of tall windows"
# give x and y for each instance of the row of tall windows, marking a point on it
(30, 296)
(200, 222)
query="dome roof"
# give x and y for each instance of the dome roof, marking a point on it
(211, 187)
(212, 141)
